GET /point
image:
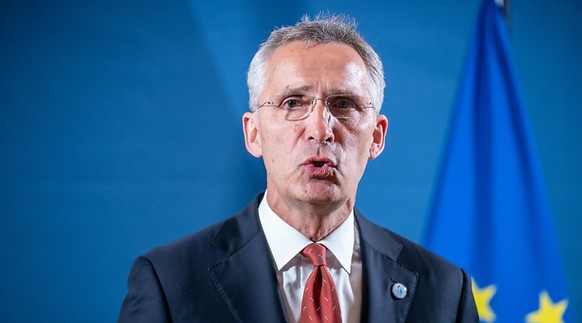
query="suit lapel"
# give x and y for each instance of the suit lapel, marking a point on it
(381, 271)
(246, 278)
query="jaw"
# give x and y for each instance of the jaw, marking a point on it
(322, 196)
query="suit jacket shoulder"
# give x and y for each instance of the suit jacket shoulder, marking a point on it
(225, 273)
(220, 274)
(436, 290)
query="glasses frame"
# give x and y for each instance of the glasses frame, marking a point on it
(313, 102)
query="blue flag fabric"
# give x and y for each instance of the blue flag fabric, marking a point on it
(491, 214)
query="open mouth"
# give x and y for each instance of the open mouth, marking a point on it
(320, 167)
(318, 163)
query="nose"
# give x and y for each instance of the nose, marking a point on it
(319, 124)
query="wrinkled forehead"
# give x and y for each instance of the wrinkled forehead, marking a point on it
(323, 68)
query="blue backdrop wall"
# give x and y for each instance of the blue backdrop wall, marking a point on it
(120, 129)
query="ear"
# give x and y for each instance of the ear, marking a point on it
(378, 136)
(252, 139)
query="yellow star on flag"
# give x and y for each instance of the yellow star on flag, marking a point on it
(483, 297)
(549, 312)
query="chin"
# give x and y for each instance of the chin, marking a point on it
(322, 195)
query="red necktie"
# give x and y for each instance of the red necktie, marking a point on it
(320, 302)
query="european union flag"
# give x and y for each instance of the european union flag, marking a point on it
(490, 212)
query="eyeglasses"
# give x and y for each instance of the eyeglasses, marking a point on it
(344, 107)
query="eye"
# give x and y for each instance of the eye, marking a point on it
(342, 103)
(292, 103)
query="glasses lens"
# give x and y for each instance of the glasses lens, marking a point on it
(343, 106)
(297, 108)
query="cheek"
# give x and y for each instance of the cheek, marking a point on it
(357, 145)
(355, 149)
(361, 135)
(278, 143)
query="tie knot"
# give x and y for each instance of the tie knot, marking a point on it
(315, 253)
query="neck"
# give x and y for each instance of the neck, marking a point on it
(315, 221)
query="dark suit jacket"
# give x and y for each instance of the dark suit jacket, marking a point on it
(225, 273)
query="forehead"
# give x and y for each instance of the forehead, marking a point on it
(325, 68)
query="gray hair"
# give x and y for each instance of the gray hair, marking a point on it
(321, 30)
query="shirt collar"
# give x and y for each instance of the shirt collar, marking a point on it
(286, 242)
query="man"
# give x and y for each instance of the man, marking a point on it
(301, 252)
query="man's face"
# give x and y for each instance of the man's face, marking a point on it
(317, 160)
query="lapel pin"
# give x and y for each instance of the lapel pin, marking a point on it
(399, 290)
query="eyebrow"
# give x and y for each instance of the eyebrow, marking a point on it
(291, 90)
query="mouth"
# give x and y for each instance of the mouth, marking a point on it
(318, 163)
(319, 167)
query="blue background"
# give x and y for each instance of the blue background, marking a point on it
(120, 129)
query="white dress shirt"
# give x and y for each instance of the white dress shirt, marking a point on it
(343, 261)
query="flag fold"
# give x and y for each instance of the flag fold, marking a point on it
(490, 212)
